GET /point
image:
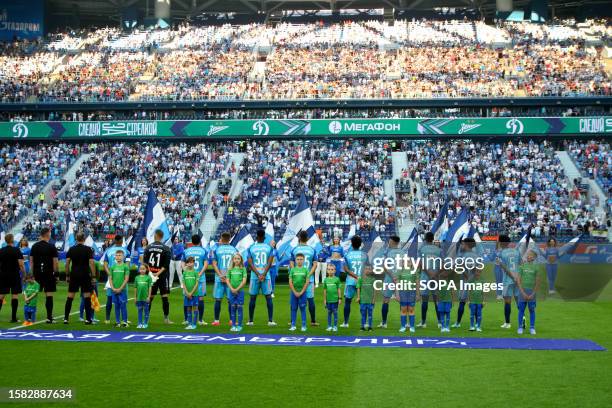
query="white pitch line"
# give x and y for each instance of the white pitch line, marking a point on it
(21, 326)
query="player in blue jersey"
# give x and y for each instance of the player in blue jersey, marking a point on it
(260, 257)
(310, 263)
(391, 252)
(469, 258)
(430, 266)
(509, 261)
(109, 261)
(221, 258)
(24, 247)
(274, 267)
(354, 261)
(336, 255)
(498, 272)
(176, 264)
(200, 263)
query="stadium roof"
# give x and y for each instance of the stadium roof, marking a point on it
(109, 10)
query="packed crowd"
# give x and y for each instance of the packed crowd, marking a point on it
(594, 158)
(342, 60)
(24, 171)
(111, 187)
(343, 180)
(507, 187)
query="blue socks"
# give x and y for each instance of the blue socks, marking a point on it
(293, 316)
(507, 310)
(460, 311)
(303, 313)
(239, 311)
(347, 309)
(270, 305)
(201, 309)
(424, 307)
(403, 319)
(217, 309)
(385, 312)
(252, 301)
(411, 320)
(311, 310)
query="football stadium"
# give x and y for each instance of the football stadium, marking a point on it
(387, 203)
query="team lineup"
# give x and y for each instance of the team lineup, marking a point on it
(517, 274)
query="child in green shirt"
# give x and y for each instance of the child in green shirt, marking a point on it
(30, 297)
(298, 275)
(445, 300)
(331, 296)
(476, 302)
(120, 275)
(236, 279)
(528, 282)
(190, 286)
(142, 289)
(366, 296)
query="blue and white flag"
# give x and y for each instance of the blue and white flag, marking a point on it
(413, 244)
(460, 227)
(441, 224)
(89, 241)
(269, 232)
(474, 234)
(69, 238)
(346, 245)
(155, 219)
(301, 220)
(242, 241)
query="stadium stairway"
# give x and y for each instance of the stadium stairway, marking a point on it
(399, 161)
(209, 222)
(50, 198)
(572, 173)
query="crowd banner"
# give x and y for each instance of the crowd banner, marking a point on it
(211, 129)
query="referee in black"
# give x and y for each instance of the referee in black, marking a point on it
(12, 274)
(80, 269)
(157, 257)
(43, 261)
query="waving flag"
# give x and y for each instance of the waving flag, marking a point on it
(474, 234)
(460, 227)
(2, 234)
(89, 241)
(301, 220)
(242, 241)
(440, 225)
(269, 232)
(69, 239)
(413, 244)
(155, 219)
(346, 245)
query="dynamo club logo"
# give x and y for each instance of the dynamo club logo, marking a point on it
(20, 131)
(334, 127)
(261, 128)
(514, 126)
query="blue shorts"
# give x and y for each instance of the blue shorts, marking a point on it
(332, 306)
(190, 302)
(407, 297)
(119, 298)
(445, 306)
(510, 290)
(366, 307)
(29, 309)
(350, 291)
(235, 298)
(109, 292)
(220, 290)
(388, 293)
(310, 291)
(463, 295)
(256, 286)
(201, 289)
(297, 301)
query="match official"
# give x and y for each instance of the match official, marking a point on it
(80, 269)
(44, 264)
(12, 274)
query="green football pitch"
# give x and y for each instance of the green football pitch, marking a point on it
(162, 375)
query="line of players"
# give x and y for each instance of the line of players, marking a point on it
(521, 281)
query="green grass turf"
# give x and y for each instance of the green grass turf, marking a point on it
(152, 375)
